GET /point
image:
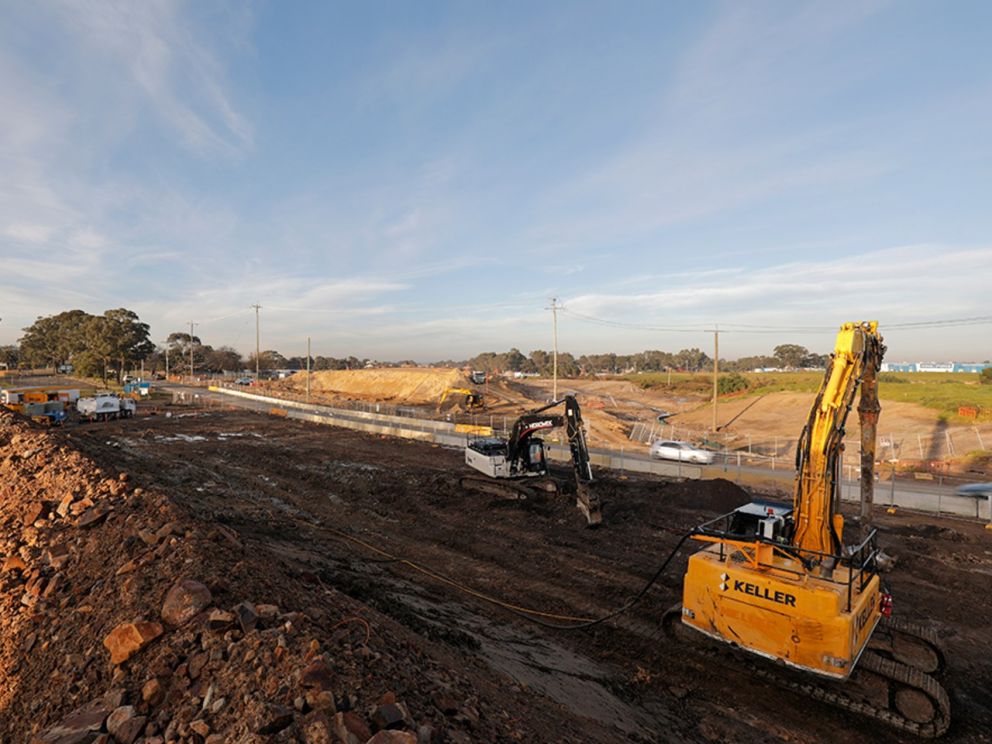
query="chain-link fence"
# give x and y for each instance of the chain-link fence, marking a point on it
(941, 443)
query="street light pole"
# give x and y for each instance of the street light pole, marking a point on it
(716, 370)
(257, 344)
(554, 361)
(191, 324)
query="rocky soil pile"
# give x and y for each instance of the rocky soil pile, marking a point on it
(124, 619)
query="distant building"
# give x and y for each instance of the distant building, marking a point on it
(899, 367)
(974, 368)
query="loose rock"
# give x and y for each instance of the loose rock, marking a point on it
(185, 600)
(128, 638)
(125, 725)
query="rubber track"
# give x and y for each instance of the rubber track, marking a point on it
(869, 662)
(506, 489)
(927, 635)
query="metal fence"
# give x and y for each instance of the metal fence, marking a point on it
(939, 444)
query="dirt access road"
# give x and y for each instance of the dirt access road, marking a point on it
(295, 489)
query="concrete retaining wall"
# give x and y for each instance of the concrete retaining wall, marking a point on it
(401, 421)
(439, 432)
(939, 503)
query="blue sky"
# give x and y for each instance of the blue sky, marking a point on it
(415, 180)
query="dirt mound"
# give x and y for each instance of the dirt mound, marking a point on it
(413, 385)
(123, 612)
(718, 495)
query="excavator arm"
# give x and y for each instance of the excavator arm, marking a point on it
(855, 362)
(586, 499)
(577, 441)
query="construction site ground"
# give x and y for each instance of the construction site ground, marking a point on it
(768, 423)
(383, 521)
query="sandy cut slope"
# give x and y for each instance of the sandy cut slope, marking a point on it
(412, 385)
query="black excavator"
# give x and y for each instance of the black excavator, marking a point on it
(517, 467)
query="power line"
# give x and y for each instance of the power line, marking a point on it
(224, 317)
(623, 324)
(949, 323)
(756, 328)
(392, 309)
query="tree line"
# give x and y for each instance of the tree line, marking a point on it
(117, 341)
(784, 356)
(93, 344)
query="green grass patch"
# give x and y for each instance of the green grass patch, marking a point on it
(944, 392)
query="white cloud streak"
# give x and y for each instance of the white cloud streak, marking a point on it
(171, 69)
(902, 283)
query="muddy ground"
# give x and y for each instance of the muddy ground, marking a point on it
(296, 491)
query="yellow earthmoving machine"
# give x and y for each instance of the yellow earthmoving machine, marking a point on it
(472, 399)
(782, 584)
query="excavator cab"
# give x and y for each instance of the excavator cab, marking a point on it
(533, 457)
(766, 520)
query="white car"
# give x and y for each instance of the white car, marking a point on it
(670, 449)
(975, 490)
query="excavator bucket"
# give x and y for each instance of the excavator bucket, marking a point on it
(589, 504)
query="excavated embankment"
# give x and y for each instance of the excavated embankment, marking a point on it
(125, 618)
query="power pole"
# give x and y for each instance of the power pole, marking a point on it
(308, 369)
(191, 324)
(716, 369)
(166, 362)
(257, 344)
(554, 362)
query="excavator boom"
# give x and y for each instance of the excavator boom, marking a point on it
(857, 357)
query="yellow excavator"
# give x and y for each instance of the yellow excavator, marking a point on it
(782, 583)
(472, 399)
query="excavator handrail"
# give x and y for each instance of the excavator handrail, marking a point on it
(706, 529)
(861, 565)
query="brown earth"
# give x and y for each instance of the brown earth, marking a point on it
(275, 511)
(768, 424)
(89, 547)
(411, 385)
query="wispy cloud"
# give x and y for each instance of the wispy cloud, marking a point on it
(404, 179)
(749, 55)
(722, 135)
(888, 283)
(171, 69)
